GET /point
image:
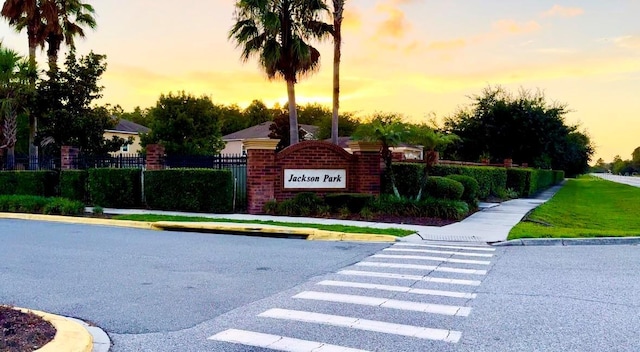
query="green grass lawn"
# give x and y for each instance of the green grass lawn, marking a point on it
(585, 207)
(338, 228)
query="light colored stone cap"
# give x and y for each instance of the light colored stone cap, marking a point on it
(362, 146)
(261, 143)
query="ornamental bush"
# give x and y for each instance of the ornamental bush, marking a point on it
(35, 183)
(491, 180)
(355, 202)
(444, 188)
(73, 184)
(40, 205)
(471, 188)
(115, 188)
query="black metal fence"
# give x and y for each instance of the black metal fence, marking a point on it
(24, 162)
(122, 161)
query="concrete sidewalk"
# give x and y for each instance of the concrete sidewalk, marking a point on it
(491, 224)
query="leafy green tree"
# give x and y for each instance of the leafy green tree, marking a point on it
(313, 114)
(138, 115)
(257, 112)
(338, 12)
(525, 128)
(65, 20)
(185, 125)
(280, 130)
(390, 131)
(65, 102)
(232, 119)
(278, 33)
(635, 157)
(347, 125)
(15, 92)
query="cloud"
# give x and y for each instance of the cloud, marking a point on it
(395, 25)
(448, 45)
(352, 20)
(628, 42)
(513, 27)
(561, 11)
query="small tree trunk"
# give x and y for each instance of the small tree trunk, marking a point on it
(293, 114)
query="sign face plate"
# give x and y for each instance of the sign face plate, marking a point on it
(315, 178)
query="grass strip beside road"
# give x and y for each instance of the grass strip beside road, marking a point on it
(585, 207)
(328, 227)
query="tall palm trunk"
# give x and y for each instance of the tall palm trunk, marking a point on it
(293, 113)
(338, 7)
(33, 120)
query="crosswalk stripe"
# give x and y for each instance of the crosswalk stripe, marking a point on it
(385, 303)
(439, 252)
(486, 249)
(275, 342)
(423, 267)
(440, 259)
(404, 289)
(410, 277)
(363, 324)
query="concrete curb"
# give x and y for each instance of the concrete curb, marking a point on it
(79, 220)
(310, 234)
(70, 336)
(600, 241)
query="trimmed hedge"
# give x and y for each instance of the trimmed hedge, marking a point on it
(491, 180)
(40, 205)
(355, 202)
(73, 184)
(444, 188)
(408, 176)
(201, 190)
(34, 183)
(429, 207)
(471, 188)
(116, 188)
(528, 182)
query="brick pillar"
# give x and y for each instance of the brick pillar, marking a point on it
(261, 173)
(508, 163)
(68, 157)
(155, 157)
(367, 167)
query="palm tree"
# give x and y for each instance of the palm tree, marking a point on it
(278, 33)
(14, 90)
(27, 14)
(338, 9)
(65, 20)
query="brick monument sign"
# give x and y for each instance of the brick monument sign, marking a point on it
(309, 166)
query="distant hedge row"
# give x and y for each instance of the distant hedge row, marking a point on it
(198, 190)
(491, 180)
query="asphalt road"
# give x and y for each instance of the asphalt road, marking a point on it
(157, 291)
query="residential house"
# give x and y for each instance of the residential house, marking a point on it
(235, 141)
(127, 129)
(402, 152)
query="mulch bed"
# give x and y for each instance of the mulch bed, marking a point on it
(23, 332)
(391, 219)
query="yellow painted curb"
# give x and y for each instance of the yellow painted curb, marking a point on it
(79, 220)
(311, 234)
(70, 336)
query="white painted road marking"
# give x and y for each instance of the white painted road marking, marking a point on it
(275, 342)
(423, 267)
(439, 259)
(439, 252)
(385, 303)
(410, 277)
(486, 249)
(363, 324)
(416, 291)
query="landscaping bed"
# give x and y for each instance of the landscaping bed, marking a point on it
(23, 332)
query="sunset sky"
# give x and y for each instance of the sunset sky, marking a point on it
(415, 57)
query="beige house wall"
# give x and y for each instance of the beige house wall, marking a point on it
(134, 148)
(235, 146)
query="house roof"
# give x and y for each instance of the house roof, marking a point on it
(127, 126)
(262, 131)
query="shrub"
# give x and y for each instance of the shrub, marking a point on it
(429, 207)
(116, 188)
(73, 184)
(38, 205)
(201, 190)
(444, 188)
(491, 180)
(471, 188)
(408, 176)
(355, 202)
(34, 183)
(519, 180)
(528, 182)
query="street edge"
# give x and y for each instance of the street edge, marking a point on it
(310, 234)
(70, 336)
(600, 241)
